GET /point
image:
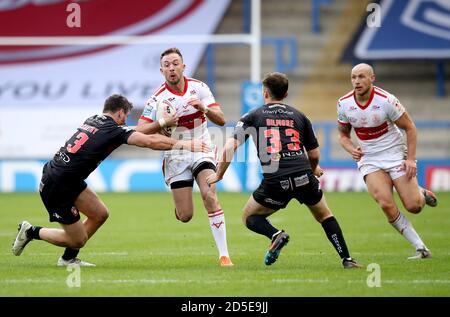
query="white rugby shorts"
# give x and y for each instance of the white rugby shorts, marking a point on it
(180, 166)
(389, 161)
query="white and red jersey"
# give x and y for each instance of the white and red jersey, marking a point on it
(374, 121)
(192, 122)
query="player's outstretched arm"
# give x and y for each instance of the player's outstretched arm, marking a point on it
(224, 161)
(154, 127)
(161, 142)
(147, 127)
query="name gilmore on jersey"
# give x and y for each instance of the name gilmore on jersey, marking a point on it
(279, 123)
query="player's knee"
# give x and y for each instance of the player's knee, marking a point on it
(102, 215)
(78, 242)
(184, 216)
(413, 207)
(251, 221)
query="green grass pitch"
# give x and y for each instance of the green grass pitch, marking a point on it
(143, 251)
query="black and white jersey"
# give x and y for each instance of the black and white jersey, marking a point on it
(281, 135)
(93, 141)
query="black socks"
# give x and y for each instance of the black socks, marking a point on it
(33, 232)
(70, 254)
(334, 234)
(261, 225)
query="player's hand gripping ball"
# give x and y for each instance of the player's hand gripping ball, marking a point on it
(164, 110)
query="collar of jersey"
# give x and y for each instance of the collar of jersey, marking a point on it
(177, 92)
(275, 103)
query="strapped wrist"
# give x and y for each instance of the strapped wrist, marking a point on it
(162, 122)
(204, 108)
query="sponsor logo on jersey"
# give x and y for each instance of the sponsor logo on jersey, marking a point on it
(147, 111)
(352, 119)
(278, 111)
(376, 119)
(185, 108)
(292, 153)
(301, 180)
(284, 184)
(63, 156)
(99, 120)
(391, 99)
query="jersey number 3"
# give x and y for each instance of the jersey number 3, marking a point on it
(80, 139)
(275, 141)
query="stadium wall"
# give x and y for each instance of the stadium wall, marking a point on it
(117, 175)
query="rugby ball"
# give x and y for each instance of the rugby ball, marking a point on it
(165, 107)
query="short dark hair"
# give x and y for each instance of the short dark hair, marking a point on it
(171, 51)
(116, 102)
(277, 84)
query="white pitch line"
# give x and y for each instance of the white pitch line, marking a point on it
(300, 280)
(176, 281)
(417, 282)
(395, 253)
(162, 253)
(107, 253)
(30, 280)
(403, 281)
(178, 254)
(102, 281)
(165, 253)
(327, 253)
(204, 254)
(84, 253)
(134, 281)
